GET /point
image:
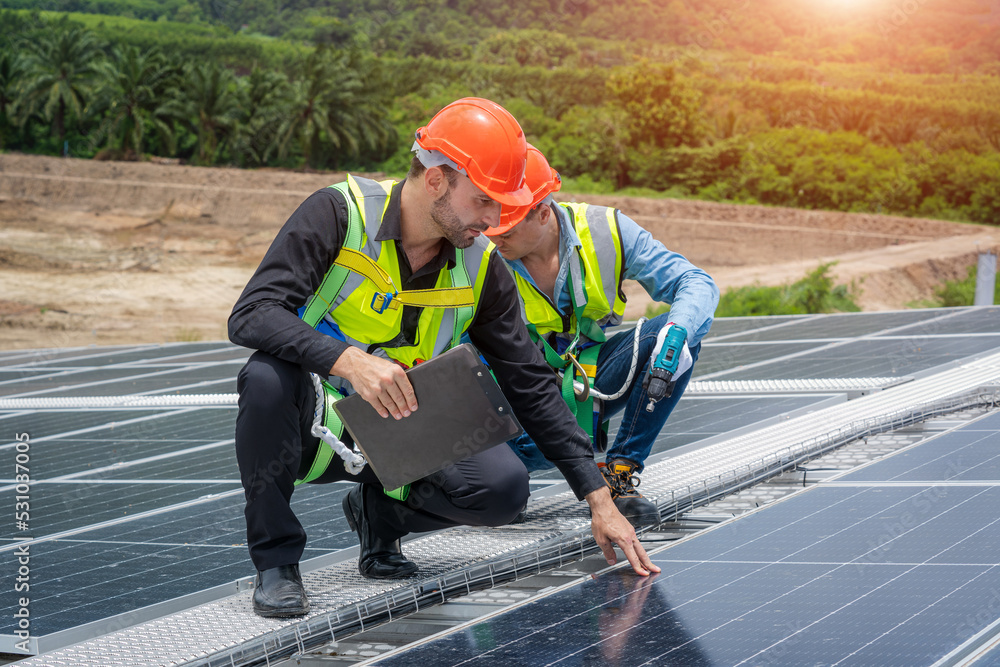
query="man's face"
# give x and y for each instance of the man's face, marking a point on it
(464, 212)
(523, 238)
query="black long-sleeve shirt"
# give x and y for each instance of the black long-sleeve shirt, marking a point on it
(265, 318)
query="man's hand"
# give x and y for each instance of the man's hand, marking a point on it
(684, 363)
(382, 383)
(610, 528)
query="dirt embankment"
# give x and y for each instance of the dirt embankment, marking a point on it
(104, 252)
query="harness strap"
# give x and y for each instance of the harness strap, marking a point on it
(392, 298)
(322, 301)
(330, 422)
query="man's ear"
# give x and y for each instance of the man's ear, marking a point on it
(435, 182)
(544, 215)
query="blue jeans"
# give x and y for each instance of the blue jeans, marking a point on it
(639, 428)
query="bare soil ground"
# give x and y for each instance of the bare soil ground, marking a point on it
(114, 252)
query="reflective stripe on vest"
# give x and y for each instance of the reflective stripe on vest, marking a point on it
(602, 255)
(354, 311)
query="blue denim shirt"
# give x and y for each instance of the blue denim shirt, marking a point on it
(667, 276)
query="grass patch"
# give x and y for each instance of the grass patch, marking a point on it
(815, 293)
(954, 293)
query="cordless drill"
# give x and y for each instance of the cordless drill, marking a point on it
(659, 382)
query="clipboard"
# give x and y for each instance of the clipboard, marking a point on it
(461, 412)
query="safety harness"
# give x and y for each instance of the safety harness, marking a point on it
(327, 426)
(583, 363)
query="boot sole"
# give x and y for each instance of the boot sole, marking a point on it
(280, 613)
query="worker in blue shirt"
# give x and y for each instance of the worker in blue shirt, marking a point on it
(569, 261)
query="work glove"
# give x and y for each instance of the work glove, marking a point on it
(685, 361)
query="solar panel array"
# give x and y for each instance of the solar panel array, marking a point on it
(132, 507)
(893, 565)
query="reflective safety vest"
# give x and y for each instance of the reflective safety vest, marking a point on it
(595, 280)
(360, 296)
(359, 301)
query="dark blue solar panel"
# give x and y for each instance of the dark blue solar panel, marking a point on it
(870, 575)
(131, 439)
(718, 357)
(40, 424)
(60, 507)
(951, 457)
(122, 567)
(862, 358)
(77, 582)
(847, 325)
(220, 522)
(59, 355)
(725, 326)
(974, 320)
(101, 356)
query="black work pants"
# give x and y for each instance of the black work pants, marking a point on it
(274, 446)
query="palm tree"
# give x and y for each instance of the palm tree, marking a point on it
(10, 74)
(263, 100)
(59, 70)
(212, 106)
(138, 97)
(335, 102)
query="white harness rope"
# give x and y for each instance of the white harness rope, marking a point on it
(353, 461)
(579, 388)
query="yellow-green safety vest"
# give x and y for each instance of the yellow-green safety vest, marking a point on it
(360, 297)
(368, 313)
(602, 258)
(595, 279)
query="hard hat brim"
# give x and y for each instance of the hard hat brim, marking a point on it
(520, 197)
(509, 221)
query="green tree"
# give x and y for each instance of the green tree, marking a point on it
(662, 108)
(211, 106)
(263, 101)
(10, 77)
(334, 104)
(591, 141)
(139, 97)
(60, 71)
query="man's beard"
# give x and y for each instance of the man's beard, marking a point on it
(449, 223)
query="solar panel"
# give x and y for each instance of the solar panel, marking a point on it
(974, 320)
(870, 357)
(846, 575)
(969, 455)
(113, 381)
(848, 325)
(90, 451)
(717, 358)
(43, 356)
(100, 357)
(731, 326)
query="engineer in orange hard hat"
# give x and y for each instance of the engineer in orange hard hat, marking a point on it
(309, 321)
(569, 262)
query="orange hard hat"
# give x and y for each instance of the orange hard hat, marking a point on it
(485, 141)
(541, 179)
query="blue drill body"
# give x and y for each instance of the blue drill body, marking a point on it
(659, 382)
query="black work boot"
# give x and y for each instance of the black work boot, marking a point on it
(621, 477)
(378, 558)
(279, 593)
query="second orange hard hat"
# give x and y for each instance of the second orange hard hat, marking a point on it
(541, 179)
